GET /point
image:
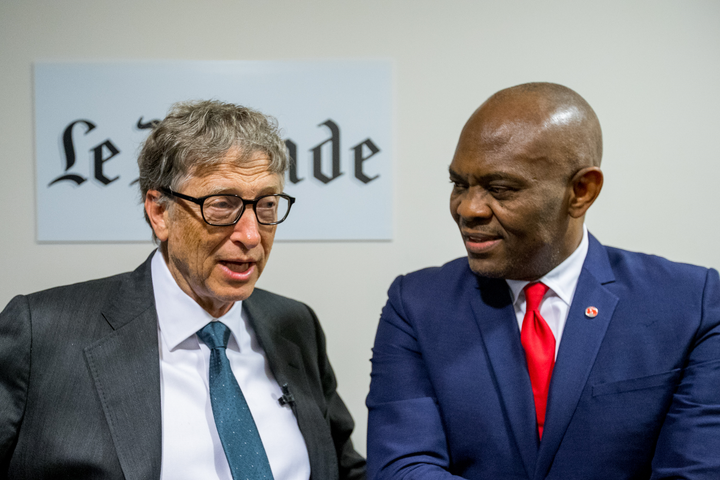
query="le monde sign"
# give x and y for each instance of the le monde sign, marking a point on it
(91, 119)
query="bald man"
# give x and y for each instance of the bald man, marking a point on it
(543, 354)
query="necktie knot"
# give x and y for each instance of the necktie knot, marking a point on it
(534, 293)
(215, 335)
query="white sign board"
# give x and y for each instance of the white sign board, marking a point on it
(91, 119)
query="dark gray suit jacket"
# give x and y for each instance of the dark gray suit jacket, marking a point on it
(80, 382)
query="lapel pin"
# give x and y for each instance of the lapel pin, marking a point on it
(591, 312)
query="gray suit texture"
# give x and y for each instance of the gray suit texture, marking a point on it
(80, 382)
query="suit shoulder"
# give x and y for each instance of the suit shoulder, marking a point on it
(654, 268)
(675, 285)
(459, 266)
(426, 285)
(450, 271)
(87, 292)
(72, 311)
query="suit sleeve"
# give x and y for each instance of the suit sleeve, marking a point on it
(406, 438)
(689, 443)
(351, 464)
(14, 374)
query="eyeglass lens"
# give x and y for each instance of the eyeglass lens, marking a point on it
(224, 209)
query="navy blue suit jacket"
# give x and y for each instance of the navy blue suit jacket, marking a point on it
(635, 393)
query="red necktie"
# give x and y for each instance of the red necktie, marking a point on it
(539, 343)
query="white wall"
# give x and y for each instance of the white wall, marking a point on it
(651, 70)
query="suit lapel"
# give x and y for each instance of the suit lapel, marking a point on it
(285, 359)
(579, 346)
(495, 316)
(126, 371)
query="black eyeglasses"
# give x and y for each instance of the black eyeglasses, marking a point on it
(226, 209)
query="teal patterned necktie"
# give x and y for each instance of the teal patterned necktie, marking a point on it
(235, 425)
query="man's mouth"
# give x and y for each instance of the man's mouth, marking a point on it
(236, 271)
(480, 242)
(237, 267)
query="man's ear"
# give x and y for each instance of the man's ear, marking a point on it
(586, 185)
(157, 212)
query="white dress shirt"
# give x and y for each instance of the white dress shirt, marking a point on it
(191, 447)
(562, 282)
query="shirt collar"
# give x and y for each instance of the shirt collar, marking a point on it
(179, 316)
(561, 280)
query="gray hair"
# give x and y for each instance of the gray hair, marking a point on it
(196, 135)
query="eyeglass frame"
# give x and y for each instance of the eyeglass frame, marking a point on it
(201, 201)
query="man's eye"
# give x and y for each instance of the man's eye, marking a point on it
(458, 185)
(500, 191)
(267, 202)
(220, 204)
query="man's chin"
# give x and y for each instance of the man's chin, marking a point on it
(240, 294)
(233, 292)
(484, 268)
(505, 272)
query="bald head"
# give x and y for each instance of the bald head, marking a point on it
(548, 118)
(525, 172)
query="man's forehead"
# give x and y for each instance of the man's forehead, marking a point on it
(527, 136)
(524, 140)
(499, 124)
(233, 160)
(239, 156)
(254, 170)
(511, 154)
(495, 167)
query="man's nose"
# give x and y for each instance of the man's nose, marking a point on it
(474, 205)
(247, 229)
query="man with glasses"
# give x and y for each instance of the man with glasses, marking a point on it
(180, 369)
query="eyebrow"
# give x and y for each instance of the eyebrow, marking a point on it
(232, 190)
(453, 173)
(486, 178)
